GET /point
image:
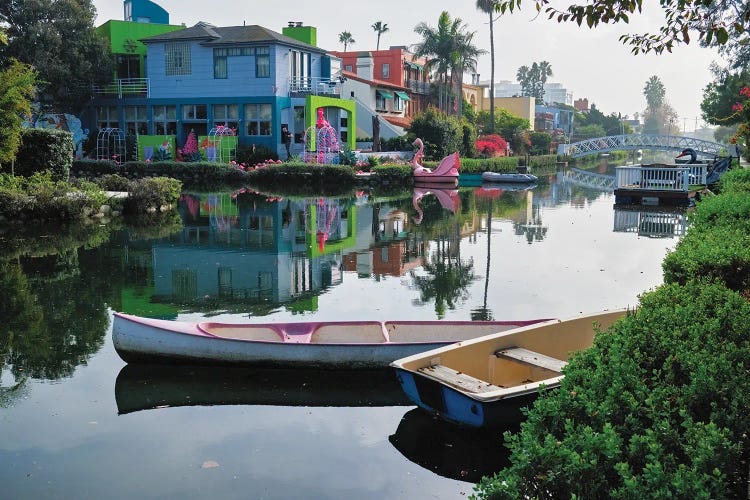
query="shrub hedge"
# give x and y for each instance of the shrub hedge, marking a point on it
(657, 408)
(45, 150)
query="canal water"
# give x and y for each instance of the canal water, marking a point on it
(77, 422)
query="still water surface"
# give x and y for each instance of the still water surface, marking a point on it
(76, 422)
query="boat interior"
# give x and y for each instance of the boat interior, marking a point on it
(361, 332)
(526, 356)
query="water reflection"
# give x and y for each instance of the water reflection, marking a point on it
(652, 222)
(465, 454)
(144, 387)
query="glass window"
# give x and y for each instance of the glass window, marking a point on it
(194, 112)
(177, 58)
(386, 70)
(165, 120)
(220, 63)
(226, 115)
(107, 117)
(136, 121)
(379, 101)
(348, 68)
(262, 62)
(258, 119)
(398, 103)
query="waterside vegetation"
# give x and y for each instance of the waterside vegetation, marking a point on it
(658, 406)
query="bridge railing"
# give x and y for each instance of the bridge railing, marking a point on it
(653, 178)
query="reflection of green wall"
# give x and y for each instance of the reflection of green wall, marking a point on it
(330, 246)
(138, 301)
(225, 206)
(313, 102)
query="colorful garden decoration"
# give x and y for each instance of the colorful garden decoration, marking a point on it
(326, 143)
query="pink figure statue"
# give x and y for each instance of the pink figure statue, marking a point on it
(322, 122)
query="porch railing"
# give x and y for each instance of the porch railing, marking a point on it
(659, 178)
(418, 86)
(130, 87)
(314, 85)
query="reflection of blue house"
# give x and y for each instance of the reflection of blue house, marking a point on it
(554, 118)
(248, 251)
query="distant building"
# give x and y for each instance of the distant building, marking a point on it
(553, 92)
(581, 105)
(549, 118)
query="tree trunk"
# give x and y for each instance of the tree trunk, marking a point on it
(492, 77)
(375, 133)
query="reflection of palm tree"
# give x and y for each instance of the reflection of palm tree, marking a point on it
(483, 313)
(447, 280)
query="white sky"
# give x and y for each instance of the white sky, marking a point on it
(589, 63)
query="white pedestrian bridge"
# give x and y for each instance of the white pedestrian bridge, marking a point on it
(632, 142)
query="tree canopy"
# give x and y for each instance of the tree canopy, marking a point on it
(379, 27)
(449, 49)
(532, 79)
(17, 84)
(57, 38)
(346, 38)
(654, 91)
(720, 23)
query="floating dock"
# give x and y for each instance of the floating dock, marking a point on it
(660, 184)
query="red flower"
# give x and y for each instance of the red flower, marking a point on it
(745, 91)
(738, 107)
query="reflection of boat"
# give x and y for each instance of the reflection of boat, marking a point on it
(508, 177)
(448, 199)
(484, 381)
(145, 387)
(342, 344)
(435, 445)
(507, 186)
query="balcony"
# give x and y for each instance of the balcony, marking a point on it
(299, 86)
(125, 87)
(418, 87)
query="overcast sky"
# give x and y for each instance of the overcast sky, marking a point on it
(589, 63)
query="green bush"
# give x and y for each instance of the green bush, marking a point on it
(729, 209)
(113, 182)
(440, 133)
(151, 194)
(721, 253)
(656, 409)
(312, 174)
(736, 180)
(540, 142)
(468, 140)
(45, 149)
(38, 197)
(402, 175)
(254, 154)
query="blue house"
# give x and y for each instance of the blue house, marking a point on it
(249, 79)
(549, 118)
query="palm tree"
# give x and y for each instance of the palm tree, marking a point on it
(380, 28)
(464, 60)
(654, 92)
(346, 38)
(449, 50)
(488, 7)
(545, 70)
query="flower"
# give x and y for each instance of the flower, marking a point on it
(738, 106)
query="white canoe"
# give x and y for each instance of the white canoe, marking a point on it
(485, 381)
(340, 344)
(508, 177)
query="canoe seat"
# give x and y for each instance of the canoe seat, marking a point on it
(532, 358)
(457, 379)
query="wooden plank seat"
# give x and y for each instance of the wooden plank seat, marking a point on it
(532, 358)
(459, 380)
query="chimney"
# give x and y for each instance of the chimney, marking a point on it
(365, 66)
(290, 24)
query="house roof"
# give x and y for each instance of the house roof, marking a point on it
(398, 121)
(373, 82)
(230, 35)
